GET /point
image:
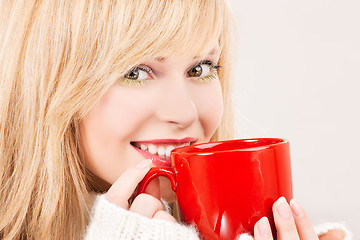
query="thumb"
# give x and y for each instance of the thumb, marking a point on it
(124, 186)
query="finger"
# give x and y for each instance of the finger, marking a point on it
(146, 205)
(154, 188)
(284, 221)
(335, 234)
(303, 224)
(262, 230)
(124, 186)
(164, 216)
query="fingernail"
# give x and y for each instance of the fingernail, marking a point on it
(264, 227)
(297, 209)
(144, 163)
(283, 208)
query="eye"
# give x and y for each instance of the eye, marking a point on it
(137, 77)
(138, 73)
(203, 69)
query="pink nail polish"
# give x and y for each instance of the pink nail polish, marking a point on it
(283, 208)
(144, 163)
(264, 227)
(296, 208)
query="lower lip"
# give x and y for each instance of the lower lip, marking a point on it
(156, 160)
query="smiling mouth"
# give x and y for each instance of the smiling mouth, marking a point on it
(159, 150)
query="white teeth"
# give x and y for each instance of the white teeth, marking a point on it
(184, 145)
(168, 150)
(152, 149)
(161, 151)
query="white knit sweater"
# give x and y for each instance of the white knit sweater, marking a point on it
(110, 222)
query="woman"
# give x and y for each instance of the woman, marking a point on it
(84, 86)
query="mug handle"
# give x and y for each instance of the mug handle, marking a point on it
(167, 172)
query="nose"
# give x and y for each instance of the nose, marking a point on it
(177, 106)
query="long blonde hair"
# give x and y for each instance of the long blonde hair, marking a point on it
(57, 58)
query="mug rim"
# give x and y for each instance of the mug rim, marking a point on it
(187, 149)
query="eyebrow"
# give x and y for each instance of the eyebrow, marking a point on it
(162, 59)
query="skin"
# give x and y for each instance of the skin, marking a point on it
(291, 222)
(134, 110)
(144, 110)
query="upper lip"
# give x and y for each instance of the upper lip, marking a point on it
(168, 141)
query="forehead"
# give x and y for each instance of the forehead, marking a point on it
(214, 52)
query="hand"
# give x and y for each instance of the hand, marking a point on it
(292, 223)
(145, 204)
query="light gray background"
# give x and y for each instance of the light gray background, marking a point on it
(297, 74)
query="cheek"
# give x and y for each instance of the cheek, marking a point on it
(106, 131)
(209, 102)
(119, 114)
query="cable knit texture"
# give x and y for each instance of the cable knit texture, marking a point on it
(110, 222)
(325, 227)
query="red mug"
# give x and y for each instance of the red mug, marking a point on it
(225, 187)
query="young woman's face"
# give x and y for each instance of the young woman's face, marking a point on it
(157, 106)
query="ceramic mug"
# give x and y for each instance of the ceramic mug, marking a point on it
(225, 187)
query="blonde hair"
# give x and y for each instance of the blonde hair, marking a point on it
(57, 58)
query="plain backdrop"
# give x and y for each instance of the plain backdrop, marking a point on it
(297, 76)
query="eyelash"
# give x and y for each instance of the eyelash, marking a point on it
(139, 83)
(136, 83)
(212, 75)
(210, 63)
